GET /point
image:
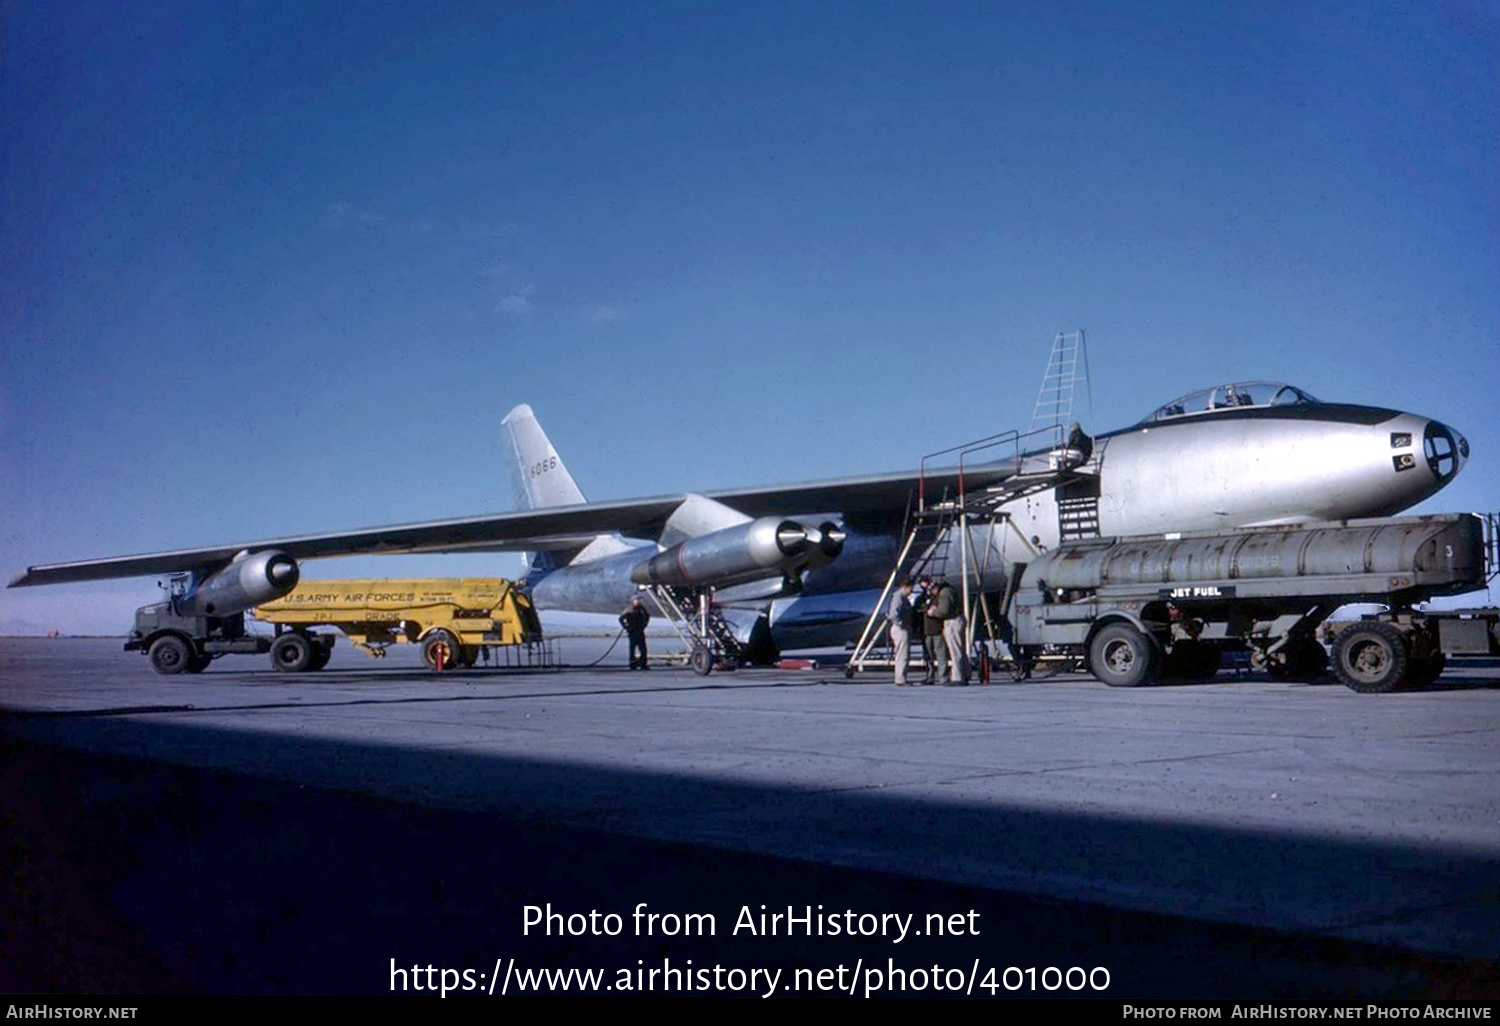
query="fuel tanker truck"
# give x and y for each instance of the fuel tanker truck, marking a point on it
(454, 620)
(1138, 609)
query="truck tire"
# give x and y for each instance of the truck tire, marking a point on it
(1371, 658)
(171, 653)
(292, 652)
(198, 663)
(441, 648)
(320, 656)
(1122, 657)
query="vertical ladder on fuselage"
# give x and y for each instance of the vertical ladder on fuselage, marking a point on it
(1066, 366)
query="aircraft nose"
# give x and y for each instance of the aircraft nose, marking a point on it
(1446, 450)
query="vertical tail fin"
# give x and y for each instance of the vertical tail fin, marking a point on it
(539, 479)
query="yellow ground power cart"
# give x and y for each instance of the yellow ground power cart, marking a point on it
(457, 621)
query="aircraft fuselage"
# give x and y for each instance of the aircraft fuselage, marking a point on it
(1214, 470)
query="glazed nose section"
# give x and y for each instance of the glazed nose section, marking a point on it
(1446, 451)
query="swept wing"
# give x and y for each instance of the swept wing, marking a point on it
(878, 499)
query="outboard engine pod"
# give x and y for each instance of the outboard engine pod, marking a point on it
(248, 580)
(760, 548)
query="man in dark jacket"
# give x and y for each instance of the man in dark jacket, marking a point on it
(634, 620)
(934, 651)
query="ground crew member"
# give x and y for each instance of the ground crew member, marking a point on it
(902, 617)
(934, 651)
(634, 620)
(952, 616)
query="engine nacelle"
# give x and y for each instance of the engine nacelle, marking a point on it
(744, 552)
(250, 579)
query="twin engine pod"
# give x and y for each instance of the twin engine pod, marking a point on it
(745, 552)
(248, 580)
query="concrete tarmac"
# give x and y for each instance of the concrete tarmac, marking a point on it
(1237, 839)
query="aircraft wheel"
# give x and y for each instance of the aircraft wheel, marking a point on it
(292, 652)
(441, 651)
(702, 660)
(1371, 658)
(170, 654)
(1123, 657)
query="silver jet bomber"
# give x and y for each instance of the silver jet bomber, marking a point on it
(815, 555)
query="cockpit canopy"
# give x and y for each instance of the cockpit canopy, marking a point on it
(1232, 397)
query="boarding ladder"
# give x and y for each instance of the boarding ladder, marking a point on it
(943, 514)
(692, 613)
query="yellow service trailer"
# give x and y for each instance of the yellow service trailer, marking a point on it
(453, 619)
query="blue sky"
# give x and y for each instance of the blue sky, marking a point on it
(274, 269)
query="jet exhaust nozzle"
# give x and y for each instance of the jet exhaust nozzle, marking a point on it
(248, 580)
(831, 540)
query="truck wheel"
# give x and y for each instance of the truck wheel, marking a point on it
(320, 656)
(702, 660)
(198, 663)
(1123, 657)
(1371, 658)
(440, 651)
(292, 652)
(170, 654)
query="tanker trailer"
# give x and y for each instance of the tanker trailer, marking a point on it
(1147, 607)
